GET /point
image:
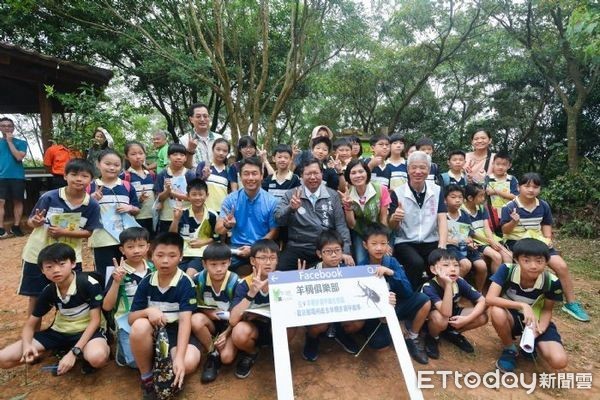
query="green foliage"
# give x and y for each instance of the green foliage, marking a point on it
(575, 200)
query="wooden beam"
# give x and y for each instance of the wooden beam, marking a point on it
(45, 116)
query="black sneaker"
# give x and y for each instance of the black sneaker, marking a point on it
(331, 331)
(4, 234)
(311, 348)
(211, 367)
(346, 341)
(244, 364)
(416, 349)
(458, 340)
(86, 368)
(431, 347)
(16, 230)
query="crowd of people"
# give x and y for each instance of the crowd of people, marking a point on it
(186, 243)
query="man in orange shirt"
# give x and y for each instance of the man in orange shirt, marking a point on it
(55, 159)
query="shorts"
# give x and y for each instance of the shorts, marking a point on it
(33, 281)
(407, 309)
(265, 335)
(13, 189)
(550, 335)
(191, 262)
(472, 255)
(510, 244)
(172, 330)
(53, 340)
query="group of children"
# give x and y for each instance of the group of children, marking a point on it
(188, 289)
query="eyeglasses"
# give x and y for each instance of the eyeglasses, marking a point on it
(267, 258)
(331, 252)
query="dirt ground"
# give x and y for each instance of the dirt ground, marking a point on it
(336, 374)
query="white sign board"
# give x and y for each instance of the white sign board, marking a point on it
(317, 296)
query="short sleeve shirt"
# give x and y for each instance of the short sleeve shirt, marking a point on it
(128, 288)
(73, 310)
(210, 297)
(530, 222)
(59, 211)
(241, 291)
(460, 289)
(10, 168)
(254, 217)
(179, 296)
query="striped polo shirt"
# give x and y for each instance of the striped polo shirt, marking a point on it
(73, 310)
(478, 220)
(59, 211)
(179, 296)
(142, 185)
(128, 287)
(278, 188)
(530, 222)
(112, 196)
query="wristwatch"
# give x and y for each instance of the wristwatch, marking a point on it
(76, 352)
(249, 298)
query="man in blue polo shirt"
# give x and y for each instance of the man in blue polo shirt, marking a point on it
(249, 213)
(12, 175)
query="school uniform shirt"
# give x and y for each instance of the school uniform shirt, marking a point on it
(178, 184)
(508, 184)
(381, 175)
(448, 178)
(241, 291)
(10, 168)
(459, 228)
(72, 311)
(460, 289)
(398, 174)
(530, 222)
(278, 188)
(419, 224)
(477, 220)
(208, 296)
(434, 171)
(59, 211)
(112, 197)
(142, 185)
(512, 290)
(179, 296)
(191, 228)
(218, 188)
(254, 217)
(128, 287)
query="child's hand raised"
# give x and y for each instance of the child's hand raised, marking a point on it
(178, 210)
(514, 215)
(258, 284)
(119, 271)
(39, 218)
(97, 195)
(301, 265)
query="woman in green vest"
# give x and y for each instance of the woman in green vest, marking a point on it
(364, 202)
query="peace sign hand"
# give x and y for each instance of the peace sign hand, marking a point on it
(296, 201)
(97, 195)
(229, 221)
(301, 265)
(119, 271)
(514, 215)
(346, 200)
(39, 218)
(258, 284)
(178, 210)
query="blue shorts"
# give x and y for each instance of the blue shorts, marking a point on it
(511, 243)
(472, 255)
(33, 281)
(53, 340)
(550, 335)
(191, 262)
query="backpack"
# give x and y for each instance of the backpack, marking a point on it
(201, 284)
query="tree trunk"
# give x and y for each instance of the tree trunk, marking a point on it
(572, 119)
